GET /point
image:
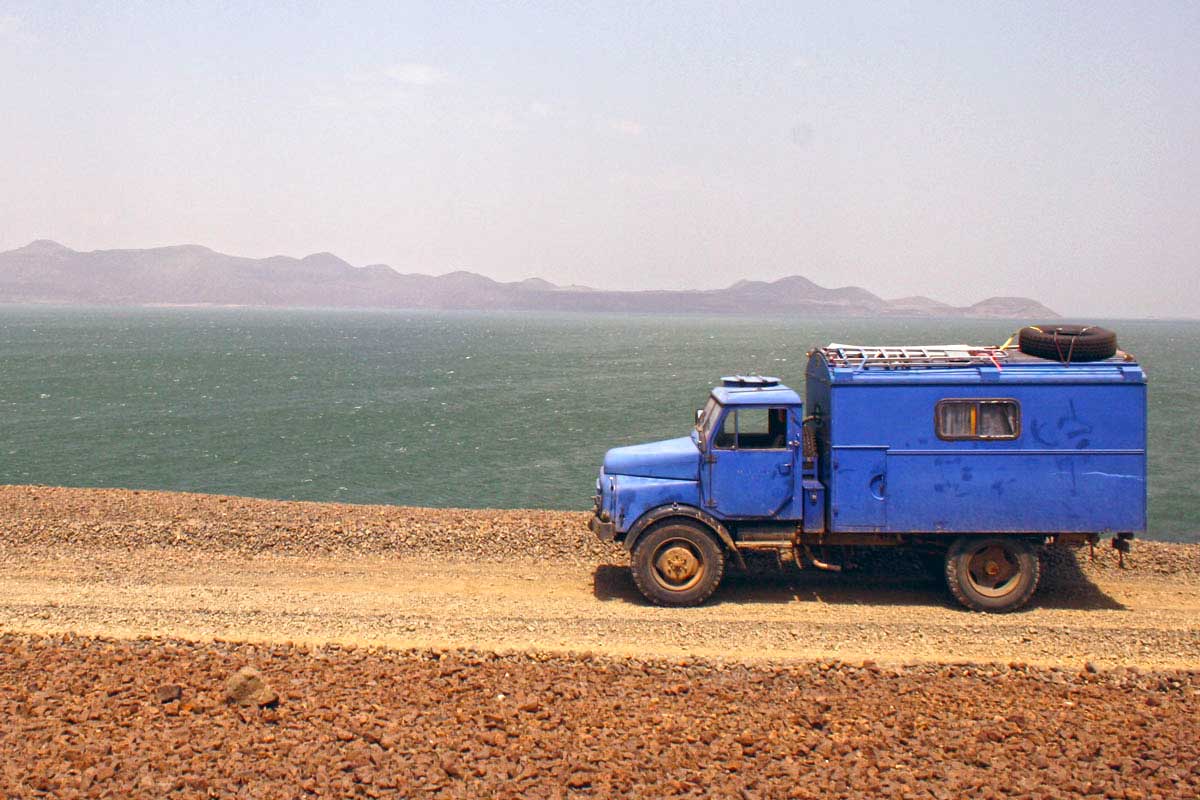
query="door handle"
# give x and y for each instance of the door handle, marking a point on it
(877, 486)
(785, 469)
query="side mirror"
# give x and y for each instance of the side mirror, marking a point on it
(699, 414)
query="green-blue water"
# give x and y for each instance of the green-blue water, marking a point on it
(466, 409)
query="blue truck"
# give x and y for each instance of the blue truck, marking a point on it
(979, 457)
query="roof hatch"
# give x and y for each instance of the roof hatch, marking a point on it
(749, 381)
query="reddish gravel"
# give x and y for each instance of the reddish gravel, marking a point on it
(87, 717)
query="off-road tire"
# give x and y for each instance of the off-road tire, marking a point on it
(1019, 554)
(1067, 343)
(692, 539)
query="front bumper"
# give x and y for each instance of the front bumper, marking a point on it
(605, 531)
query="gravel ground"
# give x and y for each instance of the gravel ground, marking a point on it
(44, 517)
(148, 717)
(101, 718)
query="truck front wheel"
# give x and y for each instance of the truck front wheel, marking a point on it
(678, 563)
(992, 573)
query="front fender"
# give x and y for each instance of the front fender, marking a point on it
(628, 497)
(690, 512)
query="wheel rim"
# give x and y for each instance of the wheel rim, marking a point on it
(678, 565)
(993, 571)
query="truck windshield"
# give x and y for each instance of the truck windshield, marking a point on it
(708, 417)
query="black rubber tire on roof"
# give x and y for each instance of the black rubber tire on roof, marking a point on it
(1067, 343)
(677, 563)
(992, 573)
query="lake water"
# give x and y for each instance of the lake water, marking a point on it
(462, 409)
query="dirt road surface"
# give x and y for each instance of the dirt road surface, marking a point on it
(1121, 619)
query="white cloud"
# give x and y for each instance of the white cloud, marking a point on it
(415, 74)
(540, 109)
(626, 127)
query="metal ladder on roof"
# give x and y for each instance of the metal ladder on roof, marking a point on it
(910, 356)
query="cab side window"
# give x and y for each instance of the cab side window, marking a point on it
(753, 429)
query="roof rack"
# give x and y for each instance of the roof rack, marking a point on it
(912, 356)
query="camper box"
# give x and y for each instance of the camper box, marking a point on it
(995, 443)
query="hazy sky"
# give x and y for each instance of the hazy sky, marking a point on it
(954, 151)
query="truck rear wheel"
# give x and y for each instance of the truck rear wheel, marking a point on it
(992, 573)
(678, 563)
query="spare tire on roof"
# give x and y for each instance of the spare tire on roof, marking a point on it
(1067, 343)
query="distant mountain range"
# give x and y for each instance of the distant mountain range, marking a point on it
(48, 272)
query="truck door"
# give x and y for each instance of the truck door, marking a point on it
(752, 465)
(859, 489)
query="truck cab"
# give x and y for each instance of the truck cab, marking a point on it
(978, 456)
(741, 461)
(740, 476)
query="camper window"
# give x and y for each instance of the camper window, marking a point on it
(959, 419)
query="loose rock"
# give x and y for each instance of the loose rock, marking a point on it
(246, 687)
(168, 693)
